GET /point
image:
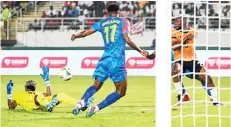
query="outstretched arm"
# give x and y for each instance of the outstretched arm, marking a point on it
(45, 76)
(11, 102)
(82, 34)
(48, 91)
(133, 45)
(152, 56)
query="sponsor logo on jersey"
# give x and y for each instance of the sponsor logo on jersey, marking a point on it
(218, 63)
(89, 62)
(54, 62)
(139, 63)
(15, 62)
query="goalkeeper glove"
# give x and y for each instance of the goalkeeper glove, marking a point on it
(9, 88)
(45, 75)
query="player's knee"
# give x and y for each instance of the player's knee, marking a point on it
(122, 93)
(176, 69)
(176, 79)
(98, 84)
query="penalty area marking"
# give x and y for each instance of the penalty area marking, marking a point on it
(175, 106)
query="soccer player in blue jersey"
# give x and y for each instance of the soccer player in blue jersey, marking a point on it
(114, 31)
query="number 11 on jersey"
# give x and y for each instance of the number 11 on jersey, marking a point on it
(113, 30)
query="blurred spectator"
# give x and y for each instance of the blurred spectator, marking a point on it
(135, 18)
(44, 15)
(75, 12)
(43, 21)
(85, 12)
(73, 4)
(142, 3)
(189, 9)
(68, 12)
(104, 12)
(123, 5)
(59, 14)
(66, 3)
(154, 5)
(225, 23)
(35, 25)
(63, 11)
(51, 11)
(81, 16)
(226, 11)
(176, 10)
(17, 5)
(52, 22)
(98, 6)
(10, 4)
(13, 11)
(5, 13)
(212, 11)
(201, 23)
(201, 9)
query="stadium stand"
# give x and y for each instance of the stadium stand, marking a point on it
(213, 13)
(75, 15)
(87, 13)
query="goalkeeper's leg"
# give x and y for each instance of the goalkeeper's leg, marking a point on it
(66, 99)
(43, 101)
(207, 81)
(182, 95)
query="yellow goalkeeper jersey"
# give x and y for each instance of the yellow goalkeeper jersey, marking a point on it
(27, 100)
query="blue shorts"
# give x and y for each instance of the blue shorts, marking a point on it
(114, 68)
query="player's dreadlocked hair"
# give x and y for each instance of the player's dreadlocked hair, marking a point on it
(30, 85)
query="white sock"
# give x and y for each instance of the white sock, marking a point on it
(96, 108)
(214, 95)
(178, 87)
(80, 104)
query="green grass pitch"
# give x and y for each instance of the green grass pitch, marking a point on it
(136, 109)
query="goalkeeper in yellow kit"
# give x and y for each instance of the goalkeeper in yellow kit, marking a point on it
(31, 100)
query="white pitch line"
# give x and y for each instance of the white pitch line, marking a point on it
(189, 106)
(175, 106)
(78, 116)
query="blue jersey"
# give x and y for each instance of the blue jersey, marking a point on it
(112, 30)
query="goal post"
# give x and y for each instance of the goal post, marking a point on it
(211, 21)
(163, 63)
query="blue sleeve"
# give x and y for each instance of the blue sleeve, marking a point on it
(125, 26)
(96, 26)
(172, 56)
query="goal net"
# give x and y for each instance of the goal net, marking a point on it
(212, 41)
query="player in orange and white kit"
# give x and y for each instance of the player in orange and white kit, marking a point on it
(31, 100)
(188, 60)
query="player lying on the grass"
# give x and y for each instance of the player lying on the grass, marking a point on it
(31, 100)
(188, 60)
(182, 91)
(112, 64)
